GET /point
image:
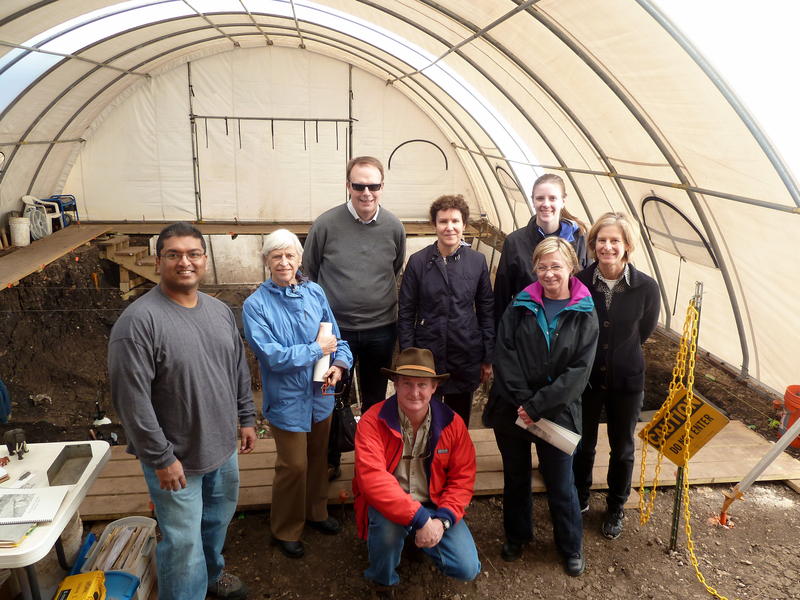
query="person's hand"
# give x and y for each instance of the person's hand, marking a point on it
(172, 478)
(526, 418)
(486, 372)
(248, 441)
(429, 534)
(332, 376)
(326, 342)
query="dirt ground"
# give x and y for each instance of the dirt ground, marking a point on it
(55, 327)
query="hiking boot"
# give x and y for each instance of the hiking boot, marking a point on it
(612, 524)
(575, 564)
(227, 585)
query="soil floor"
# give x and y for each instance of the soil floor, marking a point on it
(55, 327)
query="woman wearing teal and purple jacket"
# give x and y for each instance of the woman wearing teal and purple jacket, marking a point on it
(543, 357)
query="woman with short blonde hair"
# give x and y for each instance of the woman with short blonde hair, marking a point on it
(627, 304)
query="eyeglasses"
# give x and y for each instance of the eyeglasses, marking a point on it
(360, 187)
(555, 269)
(193, 255)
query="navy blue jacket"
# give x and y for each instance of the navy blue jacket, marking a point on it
(624, 327)
(515, 270)
(448, 309)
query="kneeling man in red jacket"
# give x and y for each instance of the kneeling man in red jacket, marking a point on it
(414, 475)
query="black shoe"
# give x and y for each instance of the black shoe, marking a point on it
(289, 549)
(612, 524)
(585, 508)
(511, 551)
(329, 526)
(334, 472)
(575, 564)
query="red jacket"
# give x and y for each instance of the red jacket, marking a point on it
(450, 467)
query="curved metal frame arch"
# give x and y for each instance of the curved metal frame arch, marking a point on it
(444, 42)
(391, 154)
(671, 160)
(177, 48)
(584, 131)
(729, 95)
(505, 194)
(679, 212)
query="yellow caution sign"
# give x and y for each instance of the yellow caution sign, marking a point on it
(706, 421)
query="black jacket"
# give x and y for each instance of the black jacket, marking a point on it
(515, 271)
(624, 327)
(448, 309)
(546, 377)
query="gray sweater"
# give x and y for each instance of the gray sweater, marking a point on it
(180, 381)
(357, 265)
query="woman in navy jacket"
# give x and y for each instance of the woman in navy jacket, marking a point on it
(627, 304)
(446, 306)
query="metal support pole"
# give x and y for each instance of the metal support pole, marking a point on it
(677, 505)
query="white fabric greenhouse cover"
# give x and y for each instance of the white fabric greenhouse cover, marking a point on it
(247, 110)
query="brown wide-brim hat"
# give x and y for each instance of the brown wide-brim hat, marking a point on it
(415, 362)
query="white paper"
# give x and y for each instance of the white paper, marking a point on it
(37, 505)
(552, 433)
(323, 364)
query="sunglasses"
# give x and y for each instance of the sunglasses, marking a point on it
(360, 187)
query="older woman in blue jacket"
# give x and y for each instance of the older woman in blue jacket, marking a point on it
(282, 323)
(447, 306)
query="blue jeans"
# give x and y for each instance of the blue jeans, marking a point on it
(193, 523)
(562, 497)
(455, 555)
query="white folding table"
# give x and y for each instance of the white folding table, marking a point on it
(47, 535)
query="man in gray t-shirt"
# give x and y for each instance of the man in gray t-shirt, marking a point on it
(181, 387)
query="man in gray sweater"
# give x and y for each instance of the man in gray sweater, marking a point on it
(181, 387)
(354, 251)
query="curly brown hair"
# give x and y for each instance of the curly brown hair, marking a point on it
(449, 202)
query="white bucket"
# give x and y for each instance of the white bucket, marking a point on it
(20, 231)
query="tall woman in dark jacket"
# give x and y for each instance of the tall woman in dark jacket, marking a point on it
(446, 306)
(551, 218)
(627, 303)
(543, 356)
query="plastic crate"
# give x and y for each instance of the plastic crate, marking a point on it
(143, 566)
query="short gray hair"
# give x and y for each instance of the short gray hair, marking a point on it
(279, 239)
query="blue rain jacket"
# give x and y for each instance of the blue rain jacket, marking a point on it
(281, 325)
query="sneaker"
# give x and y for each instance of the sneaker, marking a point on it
(612, 524)
(575, 564)
(584, 508)
(227, 585)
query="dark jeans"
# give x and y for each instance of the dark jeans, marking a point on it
(562, 499)
(372, 349)
(623, 411)
(461, 403)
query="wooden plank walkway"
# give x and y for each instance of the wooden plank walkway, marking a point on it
(32, 259)
(120, 489)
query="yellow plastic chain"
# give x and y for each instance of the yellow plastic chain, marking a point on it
(647, 501)
(687, 513)
(686, 355)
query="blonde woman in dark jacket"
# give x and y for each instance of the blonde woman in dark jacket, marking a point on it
(446, 305)
(627, 304)
(543, 356)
